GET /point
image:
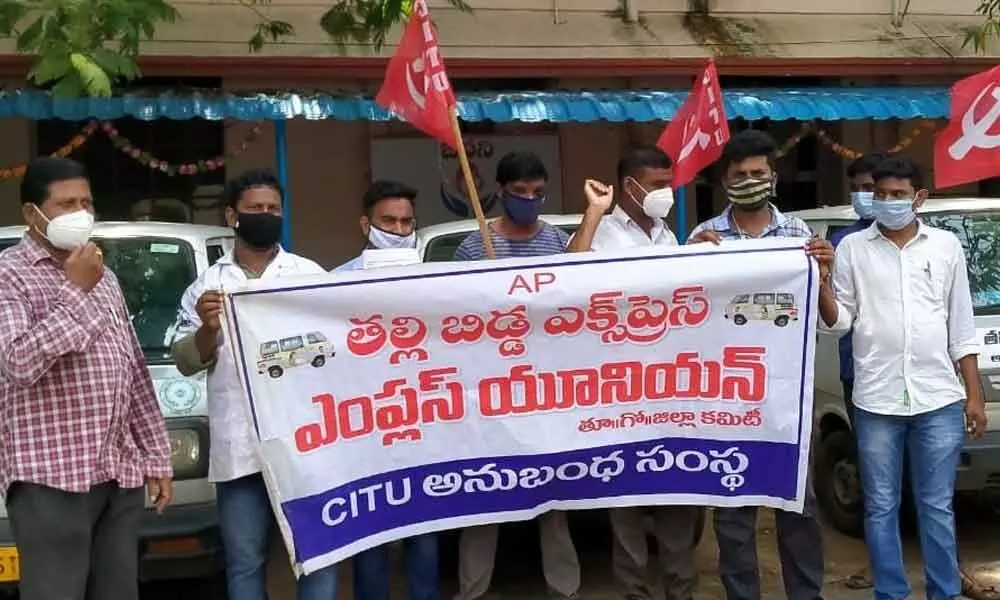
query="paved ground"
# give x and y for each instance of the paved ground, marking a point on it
(518, 576)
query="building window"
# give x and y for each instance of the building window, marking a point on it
(120, 183)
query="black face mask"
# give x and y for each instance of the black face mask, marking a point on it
(259, 230)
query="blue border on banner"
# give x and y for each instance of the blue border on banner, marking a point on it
(585, 474)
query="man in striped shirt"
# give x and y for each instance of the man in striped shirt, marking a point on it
(519, 232)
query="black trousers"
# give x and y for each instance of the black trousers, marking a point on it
(76, 546)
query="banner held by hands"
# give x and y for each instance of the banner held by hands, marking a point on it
(417, 89)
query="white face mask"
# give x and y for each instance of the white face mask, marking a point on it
(386, 240)
(69, 231)
(656, 204)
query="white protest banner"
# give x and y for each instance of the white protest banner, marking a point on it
(407, 400)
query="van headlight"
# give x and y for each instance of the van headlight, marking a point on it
(188, 449)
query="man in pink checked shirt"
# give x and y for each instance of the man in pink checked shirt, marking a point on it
(82, 430)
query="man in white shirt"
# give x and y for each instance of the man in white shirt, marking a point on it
(388, 223)
(253, 210)
(644, 177)
(904, 287)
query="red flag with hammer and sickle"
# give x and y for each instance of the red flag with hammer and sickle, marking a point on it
(969, 148)
(416, 85)
(695, 137)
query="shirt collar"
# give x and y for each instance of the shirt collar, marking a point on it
(619, 215)
(34, 251)
(281, 259)
(726, 223)
(874, 232)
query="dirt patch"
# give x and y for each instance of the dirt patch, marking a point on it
(727, 36)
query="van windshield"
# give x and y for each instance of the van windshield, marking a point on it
(153, 273)
(979, 233)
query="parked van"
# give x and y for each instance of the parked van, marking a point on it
(777, 307)
(976, 223)
(155, 263)
(276, 356)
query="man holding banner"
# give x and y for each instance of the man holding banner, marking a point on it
(387, 222)
(644, 178)
(253, 210)
(518, 233)
(749, 180)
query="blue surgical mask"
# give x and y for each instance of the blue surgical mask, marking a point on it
(894, 214)
(862, 203)
(521, 210)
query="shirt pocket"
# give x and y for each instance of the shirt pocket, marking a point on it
(927, 283)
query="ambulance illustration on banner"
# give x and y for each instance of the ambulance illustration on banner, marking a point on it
(777, 307)
(277, 356)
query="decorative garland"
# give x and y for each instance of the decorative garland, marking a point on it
(202, 166)
(850, 153)
(158, 164)
(68, 148)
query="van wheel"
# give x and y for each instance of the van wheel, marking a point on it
(838, 483)
(319, 361)
(275, 372)
(781, 321)
(740, 320)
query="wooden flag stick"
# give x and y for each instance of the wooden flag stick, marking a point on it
(470, 184)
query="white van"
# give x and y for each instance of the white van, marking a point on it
(155, 263)
(976, 222)
(277, 356)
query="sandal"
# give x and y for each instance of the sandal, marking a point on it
(862, 580)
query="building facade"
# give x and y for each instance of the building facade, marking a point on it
(502, 46)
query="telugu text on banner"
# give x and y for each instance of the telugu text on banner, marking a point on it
(401, 401)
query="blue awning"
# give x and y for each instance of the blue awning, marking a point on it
(563, 106)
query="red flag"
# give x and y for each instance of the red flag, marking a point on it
(969, 148)
(694, 138)
(416, 85)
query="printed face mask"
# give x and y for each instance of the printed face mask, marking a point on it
(656, 204)
(260, 230)
(384, 240)
(68, 231)
(521, 210)
(894, 214)
(752, 193)
(862, 203)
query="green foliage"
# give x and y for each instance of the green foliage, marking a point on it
(85, 47)
(82, 46)
(977, 37)
(368, 21)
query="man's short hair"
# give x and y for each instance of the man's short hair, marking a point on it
(254, 178)
(865, 164)
(637, 159)
(520, 166)
(900, 167)
(747, 144)
(43, 172)
(382, 189)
